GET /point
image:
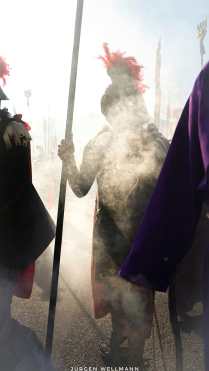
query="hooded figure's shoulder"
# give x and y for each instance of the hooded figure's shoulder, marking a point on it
(201, 82)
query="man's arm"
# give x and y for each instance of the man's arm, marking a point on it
(81, 179)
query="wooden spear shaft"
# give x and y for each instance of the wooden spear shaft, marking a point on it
(61, 204)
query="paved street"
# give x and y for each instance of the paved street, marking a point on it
(78, 337)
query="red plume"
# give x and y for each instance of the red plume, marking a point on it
(4, 70)
(119, 59)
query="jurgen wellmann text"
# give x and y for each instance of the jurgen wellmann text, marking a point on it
(107, 368)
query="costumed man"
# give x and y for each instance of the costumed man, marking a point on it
(125, 158)
(26, 229)
(168, 228)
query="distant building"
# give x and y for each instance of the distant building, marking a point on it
(158, 86)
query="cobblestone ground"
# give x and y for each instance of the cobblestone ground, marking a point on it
(78, 338)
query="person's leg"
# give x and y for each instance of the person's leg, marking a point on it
(132, 315)
(136, 343)
(118, 334)
(7, 286)
(118, 329)
(138, 307)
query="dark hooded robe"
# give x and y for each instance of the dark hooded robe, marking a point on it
(26, 229)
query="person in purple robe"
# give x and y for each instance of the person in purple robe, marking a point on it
(125, 159)
(166, 234)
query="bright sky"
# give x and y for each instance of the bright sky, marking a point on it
(37, 44)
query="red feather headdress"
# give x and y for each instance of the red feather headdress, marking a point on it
(114, 59)
(4, 70)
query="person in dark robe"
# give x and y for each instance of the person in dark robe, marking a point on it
(125, 158)
(26, 229)
(181, 195)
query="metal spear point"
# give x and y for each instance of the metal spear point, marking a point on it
(61, 205)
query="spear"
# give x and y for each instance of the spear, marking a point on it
(62, 193)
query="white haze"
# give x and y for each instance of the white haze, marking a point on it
(38, 45)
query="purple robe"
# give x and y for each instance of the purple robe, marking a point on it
(167, 230)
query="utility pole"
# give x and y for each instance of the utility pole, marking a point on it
(28, 94)
(158, 86)
(201, 33)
